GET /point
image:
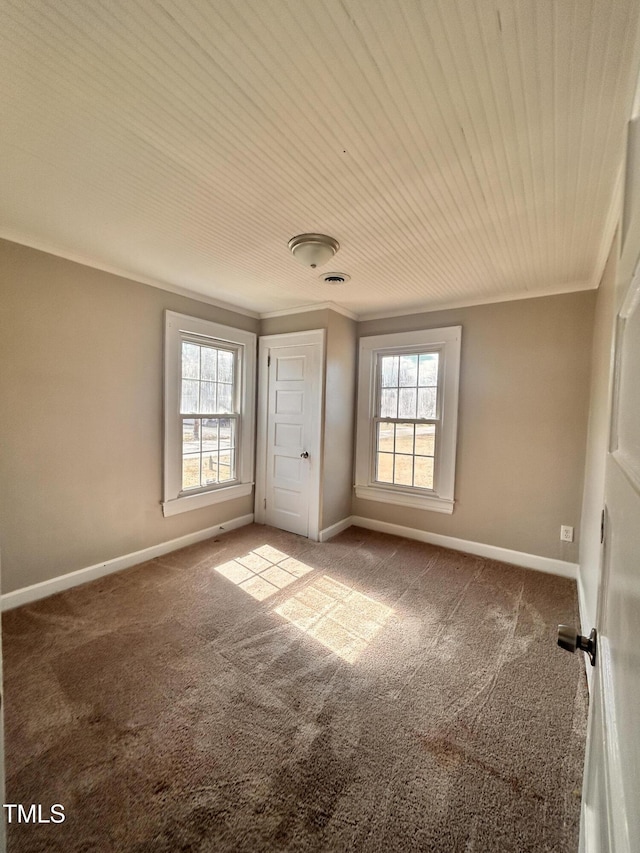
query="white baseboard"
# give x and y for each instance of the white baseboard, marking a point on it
(49, 587)
(334, 529)
(493, 552)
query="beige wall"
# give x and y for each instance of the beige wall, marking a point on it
(81, 416)
(304, 321)
(524, 392)
(339, 419)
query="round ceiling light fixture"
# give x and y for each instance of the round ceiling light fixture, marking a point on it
(335, 277)
(313, 250)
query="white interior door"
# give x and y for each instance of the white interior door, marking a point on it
(290, 492)
(3, 840)
(611, 799)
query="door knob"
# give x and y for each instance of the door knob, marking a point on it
(304, 454)
(569, 639)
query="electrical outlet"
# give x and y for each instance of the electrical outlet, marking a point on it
(566, 533)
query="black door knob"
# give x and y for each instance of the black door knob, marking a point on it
(569, 639)
(304, 454)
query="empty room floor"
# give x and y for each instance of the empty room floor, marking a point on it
(263, 692)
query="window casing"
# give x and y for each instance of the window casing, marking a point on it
(209, 415)
(407, 418)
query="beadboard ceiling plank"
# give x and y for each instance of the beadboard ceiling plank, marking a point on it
(460, 151)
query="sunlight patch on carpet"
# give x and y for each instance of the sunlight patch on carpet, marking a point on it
(336, 615)
(263, 571)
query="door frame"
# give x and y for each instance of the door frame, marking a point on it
(604, 821)
(315, 337)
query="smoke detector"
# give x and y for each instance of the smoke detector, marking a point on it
(335, 277)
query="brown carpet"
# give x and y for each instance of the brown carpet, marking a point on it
(263, 692)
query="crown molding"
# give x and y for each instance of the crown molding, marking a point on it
(573, 287)
(424, 308)
(77, 258)
(302, 309)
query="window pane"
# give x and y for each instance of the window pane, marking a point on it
(227, 433)
(209, 468)
(427, 402)
(189, 401)
(403, 470)
(190, 361)
(191, 471)
(191, 435)
(207, 397)
(389, 370)
(388, 404)
(225, 366)
(385, 436)
(424, 472)
(384, 472)
(226, 468)
(208, 364)
(209, 435)
(404, 438)
(225, 398)
(407, 403)
(428, 369)
(408, 370)
(425, 439)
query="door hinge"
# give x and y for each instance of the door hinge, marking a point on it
(602, 526)
(265, 503)
(268, 361)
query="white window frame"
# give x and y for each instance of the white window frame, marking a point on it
(447, 342)
(177, 328)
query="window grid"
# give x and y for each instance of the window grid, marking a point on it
(407, 419)
(208, 379)
(208, 451)
(209, 422)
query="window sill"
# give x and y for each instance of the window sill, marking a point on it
(432, 503)
(202, 499)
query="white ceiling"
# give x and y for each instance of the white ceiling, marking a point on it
(461, 151)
